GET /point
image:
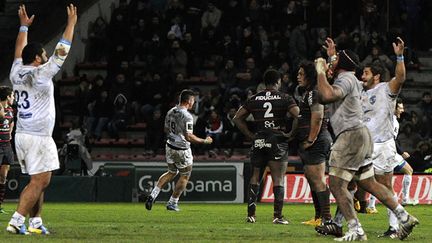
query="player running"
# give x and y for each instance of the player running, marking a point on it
(179, 127)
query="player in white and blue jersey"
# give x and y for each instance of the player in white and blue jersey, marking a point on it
(31, 76)
(179, 129)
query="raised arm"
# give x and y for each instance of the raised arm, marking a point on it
(63, 46)
(71, 22)
(25, 22)
(400, 73)
(327, 92)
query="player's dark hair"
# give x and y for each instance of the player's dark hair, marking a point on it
(185, 95)
(310, 73)
(30, 52)
(5, 91)
(271, 77)
(399, 101)
(348, 60)
(376, 68)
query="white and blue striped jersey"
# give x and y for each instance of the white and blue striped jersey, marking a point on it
(178, 122)
(34, 93)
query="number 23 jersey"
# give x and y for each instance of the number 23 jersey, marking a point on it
(269, 109)
(34, 93)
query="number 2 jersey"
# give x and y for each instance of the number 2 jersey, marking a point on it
(178, 122)
(34, 93)
(269, 109)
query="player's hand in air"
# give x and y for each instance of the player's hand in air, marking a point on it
(399, 47)
(24, 19)
(321, 65)
(72, 14)
(330, 47)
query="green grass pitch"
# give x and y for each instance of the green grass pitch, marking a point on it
(131, 222)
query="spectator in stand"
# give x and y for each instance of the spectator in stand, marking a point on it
(155, 95)
(249, 76)
(174, 8)
(377, 56)
(177, 59)
(227, 77)
(155, 135)
(82, 96)
(249, 39)
(137, 100)
(375, 39)
(120, 86)
(408, 138)
(119, 117)
(298, 44)
(228, 48)
(193, 63)
(253, 14)
(421, 159)
(100, 112)
(211, 17)
(358, 45)
(214, 129)
(232, 137)
(96, 44)
(425, 106)
(292, 14)
(419, 126)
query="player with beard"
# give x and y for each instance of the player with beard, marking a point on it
(31, 76)
(353, 147)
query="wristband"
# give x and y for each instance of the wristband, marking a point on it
(400, 58)
(23, 28)
(206, 141)
(307, 141)
(332, 58)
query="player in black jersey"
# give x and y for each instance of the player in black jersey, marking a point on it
(269, 109)
(6, 126)
(314, 141)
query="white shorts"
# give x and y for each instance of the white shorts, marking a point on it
(399, 159)
(36, 154)
(180, 158)
(383, 157)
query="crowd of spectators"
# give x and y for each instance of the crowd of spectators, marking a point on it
(153, 48)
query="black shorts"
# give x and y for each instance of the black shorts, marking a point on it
(268, 146)
(6, 154)
(319, 151)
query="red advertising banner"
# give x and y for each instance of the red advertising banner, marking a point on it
(297, 189)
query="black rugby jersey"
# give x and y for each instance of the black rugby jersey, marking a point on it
(309, 98)
(5, 125)
(269, 109)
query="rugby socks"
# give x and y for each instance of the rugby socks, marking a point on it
(155, 192)
(393, 221)
(354, 225)
(406, 185)
(252, 199)
(338, 218)
(2, 192)
(316, 204)
(372, 201)
(173, 200)
(324, 204)
(17, 219)
(35, 222)
(278, 192)
(401, 213)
